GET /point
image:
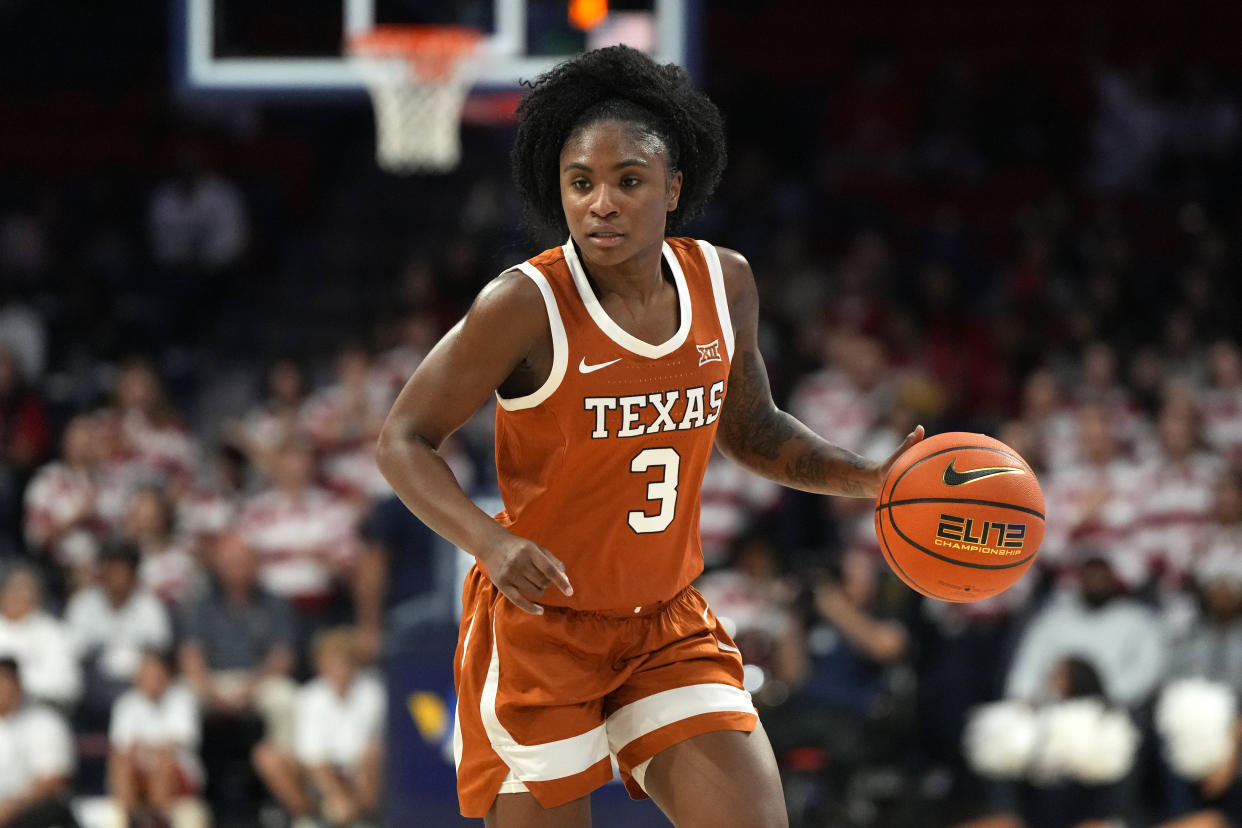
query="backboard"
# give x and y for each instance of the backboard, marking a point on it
(296, 47)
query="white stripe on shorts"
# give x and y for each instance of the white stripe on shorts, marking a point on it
(666, 707)
(457, 743)
(543, 762)
(719, 643)
(512, 785)
(639, 773)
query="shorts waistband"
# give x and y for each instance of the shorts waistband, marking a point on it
(624, 612)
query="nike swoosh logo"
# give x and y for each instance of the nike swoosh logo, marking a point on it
(586, 369)
(953, 477)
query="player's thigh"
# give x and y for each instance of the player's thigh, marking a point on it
(522, 810)
(724, 777)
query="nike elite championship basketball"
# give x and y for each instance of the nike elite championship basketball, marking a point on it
(960, 517)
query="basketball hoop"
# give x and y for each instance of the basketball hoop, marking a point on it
(418, 77)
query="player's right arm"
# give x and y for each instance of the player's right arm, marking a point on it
(501, 340)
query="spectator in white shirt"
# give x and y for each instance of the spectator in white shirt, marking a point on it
(153, 765)
(1099, 385)
(36, 759)
(343, 421)
(1220, 404)
(731, 500)
(1049, 418)
(197, 219)
(23, 331)
(151, 441)
(337, 746)
(38, 641)
(1221, 537)
(110, 624)
(167, 565)
(419, 330)
(1121, 637)
(1095, 502)
(847, 397)
(274, 420)
(62, 522)
(1175, 500)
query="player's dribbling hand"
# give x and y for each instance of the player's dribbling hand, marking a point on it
(882, 471)
(520, 568)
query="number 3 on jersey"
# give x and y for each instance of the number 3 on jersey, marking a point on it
(663, 490)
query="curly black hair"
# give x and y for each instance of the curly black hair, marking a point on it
(619, 83)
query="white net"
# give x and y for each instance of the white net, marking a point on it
(418, 85)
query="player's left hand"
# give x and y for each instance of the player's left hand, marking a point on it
(882, 470)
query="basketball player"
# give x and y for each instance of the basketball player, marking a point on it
(619, 359)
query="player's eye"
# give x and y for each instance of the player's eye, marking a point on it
(580, 184)
(631, 181)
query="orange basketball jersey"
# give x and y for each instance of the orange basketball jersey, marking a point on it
(602, 465)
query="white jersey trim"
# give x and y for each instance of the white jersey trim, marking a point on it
(658, 710)
(560, 346)
(718, 291)
(639, 773)
(458, 744)
(614, 331)
(543, 762)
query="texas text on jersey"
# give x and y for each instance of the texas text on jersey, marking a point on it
(602, 464)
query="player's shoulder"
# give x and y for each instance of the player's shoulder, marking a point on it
(739, 281)
(517, 301)
(514, 290)
(733, 264)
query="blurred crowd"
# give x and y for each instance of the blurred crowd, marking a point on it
(197, 348)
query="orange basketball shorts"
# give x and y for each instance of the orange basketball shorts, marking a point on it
(544, 702)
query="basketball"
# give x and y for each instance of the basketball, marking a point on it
(960, 517)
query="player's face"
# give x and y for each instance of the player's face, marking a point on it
(616, 190)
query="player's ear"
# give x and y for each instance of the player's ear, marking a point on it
(674, 190)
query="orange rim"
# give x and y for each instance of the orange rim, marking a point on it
(431, 51)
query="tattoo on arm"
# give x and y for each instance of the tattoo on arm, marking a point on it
(754, 425)
(815, 468)
(750, 419)
(808, 467)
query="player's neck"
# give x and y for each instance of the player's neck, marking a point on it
(638, 278)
